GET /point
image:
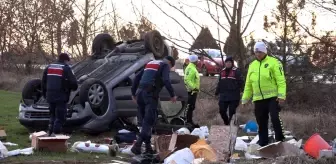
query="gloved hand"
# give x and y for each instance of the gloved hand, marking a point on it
(194, 91)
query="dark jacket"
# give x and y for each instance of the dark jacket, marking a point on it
(154, 76)
(57, 82)
(230, 84)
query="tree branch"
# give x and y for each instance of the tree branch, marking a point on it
(174, 20)
(217, 21)
(248, 22)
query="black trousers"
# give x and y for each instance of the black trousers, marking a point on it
(191, 106)
(58, 111)
(263, 108)
(223, 106)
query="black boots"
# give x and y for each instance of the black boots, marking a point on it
(149, 149)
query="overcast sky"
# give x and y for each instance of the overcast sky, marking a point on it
(168, 26)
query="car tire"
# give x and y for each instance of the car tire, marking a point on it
(32, 91)
(177, 121)
(154, 43)
(100, 44)
(204, 71)
(95, 93)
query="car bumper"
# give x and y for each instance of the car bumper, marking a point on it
(38, 118)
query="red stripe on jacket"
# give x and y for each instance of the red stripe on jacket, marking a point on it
(55, 71)
(152, 66)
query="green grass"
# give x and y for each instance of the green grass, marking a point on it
(16, 133)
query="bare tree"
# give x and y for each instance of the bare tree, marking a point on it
(233, 15)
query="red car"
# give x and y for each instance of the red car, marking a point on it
(205, 65)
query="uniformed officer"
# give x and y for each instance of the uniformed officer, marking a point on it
(145, 91)
(57, 82)
(192, 82)
(266, 83)
(229, 87)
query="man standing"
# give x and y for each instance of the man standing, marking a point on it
(57, 82)
(146, 88)
(192, 82)
(229, 87)
(266, 83)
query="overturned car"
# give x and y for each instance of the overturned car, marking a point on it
(103, 99)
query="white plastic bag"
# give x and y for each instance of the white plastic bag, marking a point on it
(183, 131)
(26, 151)
(3, 151)
(255, 140)
(240, 145)
(202, 132)
(183, 156)
(90, 147)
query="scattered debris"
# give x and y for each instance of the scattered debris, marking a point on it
(279, 149)
(201, 149)
(3, 135)
(41, 142)
(183, 131)
(3, 151)
(325, 153)
(26, 151)
(250, 127)
(183, 156)
(202, 132)
(220, 140)
(9, 144)
(240, 145)
(94, 148)
(315, 144)
(167, 144)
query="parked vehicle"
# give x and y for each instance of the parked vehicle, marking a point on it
(103, 99)
(205, 65)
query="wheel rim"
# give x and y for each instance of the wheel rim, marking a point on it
(96, 94)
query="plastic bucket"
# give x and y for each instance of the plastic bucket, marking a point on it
(251, 127)
(314, 145)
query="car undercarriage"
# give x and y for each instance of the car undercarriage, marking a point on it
(103, 99)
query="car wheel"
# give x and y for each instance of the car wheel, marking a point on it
(32, 91)
(212, 74)
(95, 93)
(177, 121)
(204, 71)
(102, 44)
(154, 43)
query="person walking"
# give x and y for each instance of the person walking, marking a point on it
(229, 87)
(58, 81)
(266, 84)
(192, 82)
(146, 88)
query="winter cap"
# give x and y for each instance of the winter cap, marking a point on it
(171, 59)
(193, 58)
(63, 57)
(229, 58)
(260, 47)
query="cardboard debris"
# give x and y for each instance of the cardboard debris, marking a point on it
(279, 149)
(220, 139)
(3, 135)
(165, 145)
(41, 142)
